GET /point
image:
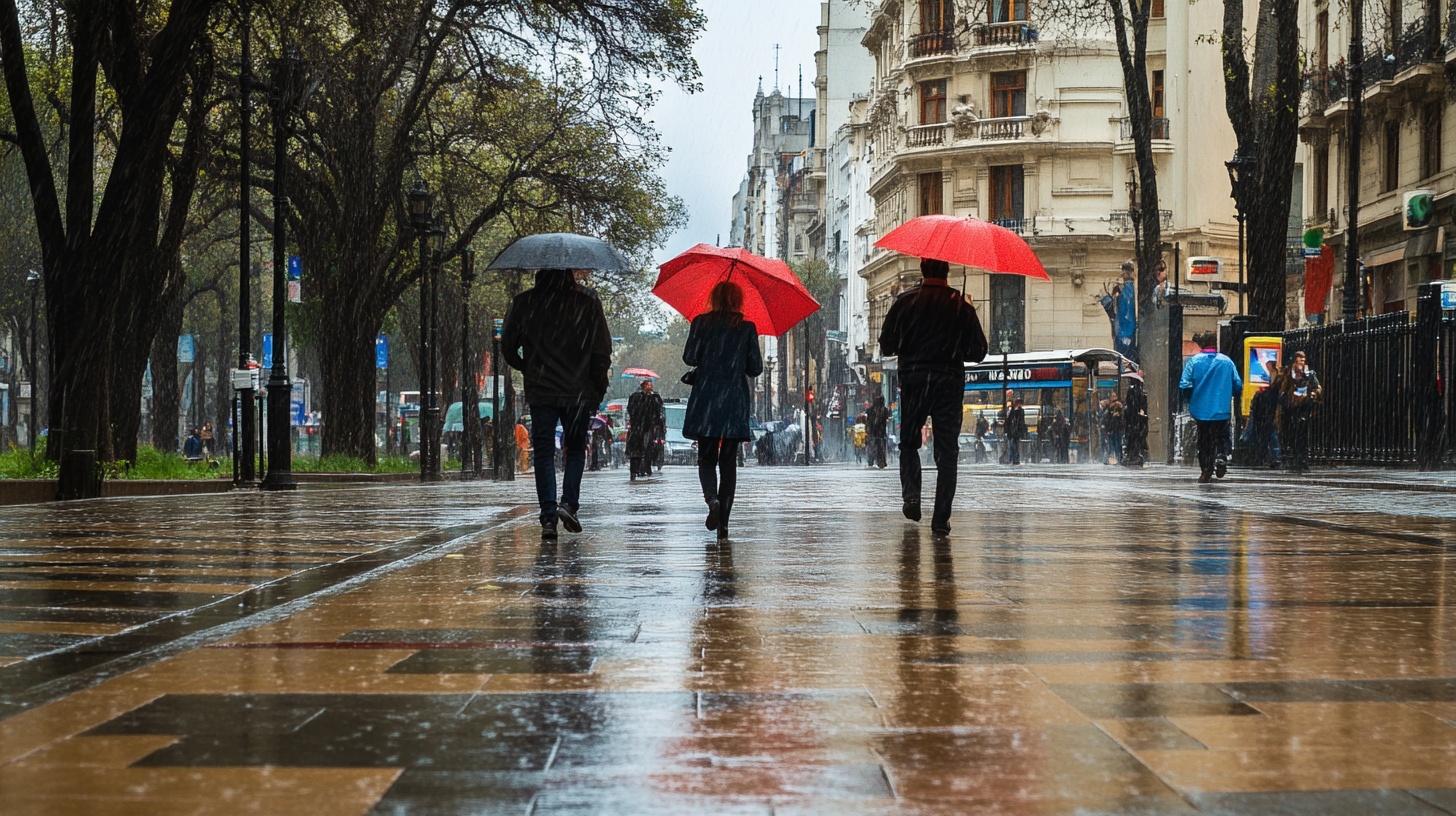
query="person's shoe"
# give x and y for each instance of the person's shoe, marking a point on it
(911, 509)
(1205, 477)
(722, 532)
(568, 519)
(715, 509)
(940, 530)
(548, 529)
(1220, 468)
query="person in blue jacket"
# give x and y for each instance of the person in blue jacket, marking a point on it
(1209, 383)
(723, 348)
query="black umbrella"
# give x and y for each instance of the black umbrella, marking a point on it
(561, 250)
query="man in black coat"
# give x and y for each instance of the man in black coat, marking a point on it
(934, 331)
(877, 427)
(557, 334)
(646, 423)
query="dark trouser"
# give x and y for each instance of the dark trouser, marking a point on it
(877, 450)
(1114, 448)
(1213, 442)
(717, 456)
(1013, 451)
(1297, 437)
(574, 420)
(938, 396)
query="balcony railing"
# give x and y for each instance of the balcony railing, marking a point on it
(1121, 220)
(1016, 32)
(1416, 45)
(1016, 225)
(925, 135)
(1001, 128)
(1161, 128)
(932, 43)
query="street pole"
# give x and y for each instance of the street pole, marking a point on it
(470, 466)
(243, 428)
(421, 207)
(808, 420)
(34, 279)
(495, 416)
(1350, 301)
(389, 408)
(1239, 206)
(431, 408)
(280, 387)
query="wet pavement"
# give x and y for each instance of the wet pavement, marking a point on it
(1088, 640)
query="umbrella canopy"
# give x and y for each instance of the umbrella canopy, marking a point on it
(774, 299)
(453, 413)
(561, 250)
(965, 241)
(639, 373)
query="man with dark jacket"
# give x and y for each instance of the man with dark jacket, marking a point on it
(646, 423)
(877, 425)
(557, 334)
(934, 331)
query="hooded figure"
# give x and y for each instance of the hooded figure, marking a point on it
(646, 423)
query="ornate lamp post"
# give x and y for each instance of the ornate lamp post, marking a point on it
(245, 432)
(34, 280)
(421, 212)
(286, 93)
(470, 454)
(1242, 170)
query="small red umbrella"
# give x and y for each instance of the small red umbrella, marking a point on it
(774, 299)
(965, 241)
(640, 373)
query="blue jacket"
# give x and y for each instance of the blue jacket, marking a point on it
(725, 351)
(1212, 380)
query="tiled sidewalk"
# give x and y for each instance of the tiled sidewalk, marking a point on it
(1086, 642)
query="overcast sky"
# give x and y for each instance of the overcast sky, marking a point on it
(710, 133)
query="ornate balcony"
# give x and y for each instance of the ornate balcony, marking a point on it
(1161, 128)
(1002, 128)
(1120, 221)
(1016, 225)
(1014, 33)
(932, 43)
(926, 135)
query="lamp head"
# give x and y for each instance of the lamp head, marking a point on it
(421, 206)
(467, 264)
(33, 277)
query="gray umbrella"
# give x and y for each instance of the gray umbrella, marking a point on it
(561, 250)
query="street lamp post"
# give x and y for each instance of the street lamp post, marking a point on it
(470, 464)
(244, 430)
(1242, 169)
(286, 89)
(34, 280)
(421, 210)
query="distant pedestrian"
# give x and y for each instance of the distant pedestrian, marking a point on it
(982, 428)
(1015, 431)
(1135, 422)
(523, 446)
(1114, 426)
(192, 446)
(1261, 434)
(557, 334)
(646, 424)
(1062, 438)
(209, 441)
(1299, 396)
(1208, 384)
(723, 348)
(877, 432)
(934, 331)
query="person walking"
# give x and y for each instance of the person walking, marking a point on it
(1135, 421)
(556, 332)
(982, 428)
(523, 446)
(1261, 433)
(877, 430)
(1297, 400)
(934, 331)
(1015, 431)
(1208, 384)
(646, 423)
(723, 349)
(1113, 427)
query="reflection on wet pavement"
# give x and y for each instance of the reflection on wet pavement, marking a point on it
(1087, 641)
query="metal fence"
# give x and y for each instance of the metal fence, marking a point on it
(1376, 374)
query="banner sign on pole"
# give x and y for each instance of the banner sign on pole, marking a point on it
(186, 350)
(381, 352)
(499, 322)
(295, 268)
(267, 349)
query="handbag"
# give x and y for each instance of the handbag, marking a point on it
(688, 376)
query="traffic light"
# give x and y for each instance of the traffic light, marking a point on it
(1419, 209)
(811, 394)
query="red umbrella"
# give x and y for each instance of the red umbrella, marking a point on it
(646, 373)
(773, 298)
(965, 241)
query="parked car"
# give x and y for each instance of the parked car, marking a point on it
(678, 449)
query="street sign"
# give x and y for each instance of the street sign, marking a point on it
(381, 352)
(1418, 208)
(267, 349)
(499, 322)
(295, 291)
(295, 268)
(24, 391)
(1309, 252)
(186, 350)
(1448, 295)
(298, 402)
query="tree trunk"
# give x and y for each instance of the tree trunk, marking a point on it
(1133, 57)
(346, 357)
(223, 361)
(166, 398)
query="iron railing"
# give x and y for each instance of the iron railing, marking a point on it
(1016, 32)
(1016, 225)
(1004, 127)
(1161, 128)
(925, 135)
(932, 43)
(1447, 373)
(1121, 220)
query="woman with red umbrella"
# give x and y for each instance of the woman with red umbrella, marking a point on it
(723, 348)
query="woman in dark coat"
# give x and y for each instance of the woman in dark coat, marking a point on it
(723, 348)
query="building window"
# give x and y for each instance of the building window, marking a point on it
(1157, 11)
(936, 16)
(1321, 181)
(1390, 157)
(1008, 94)
(1008, 313)
(932, 102)
(1431, 140)
(1005, 11)
(1155, 91)
(1322, 41)
(1007, 195)
(932, 194)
